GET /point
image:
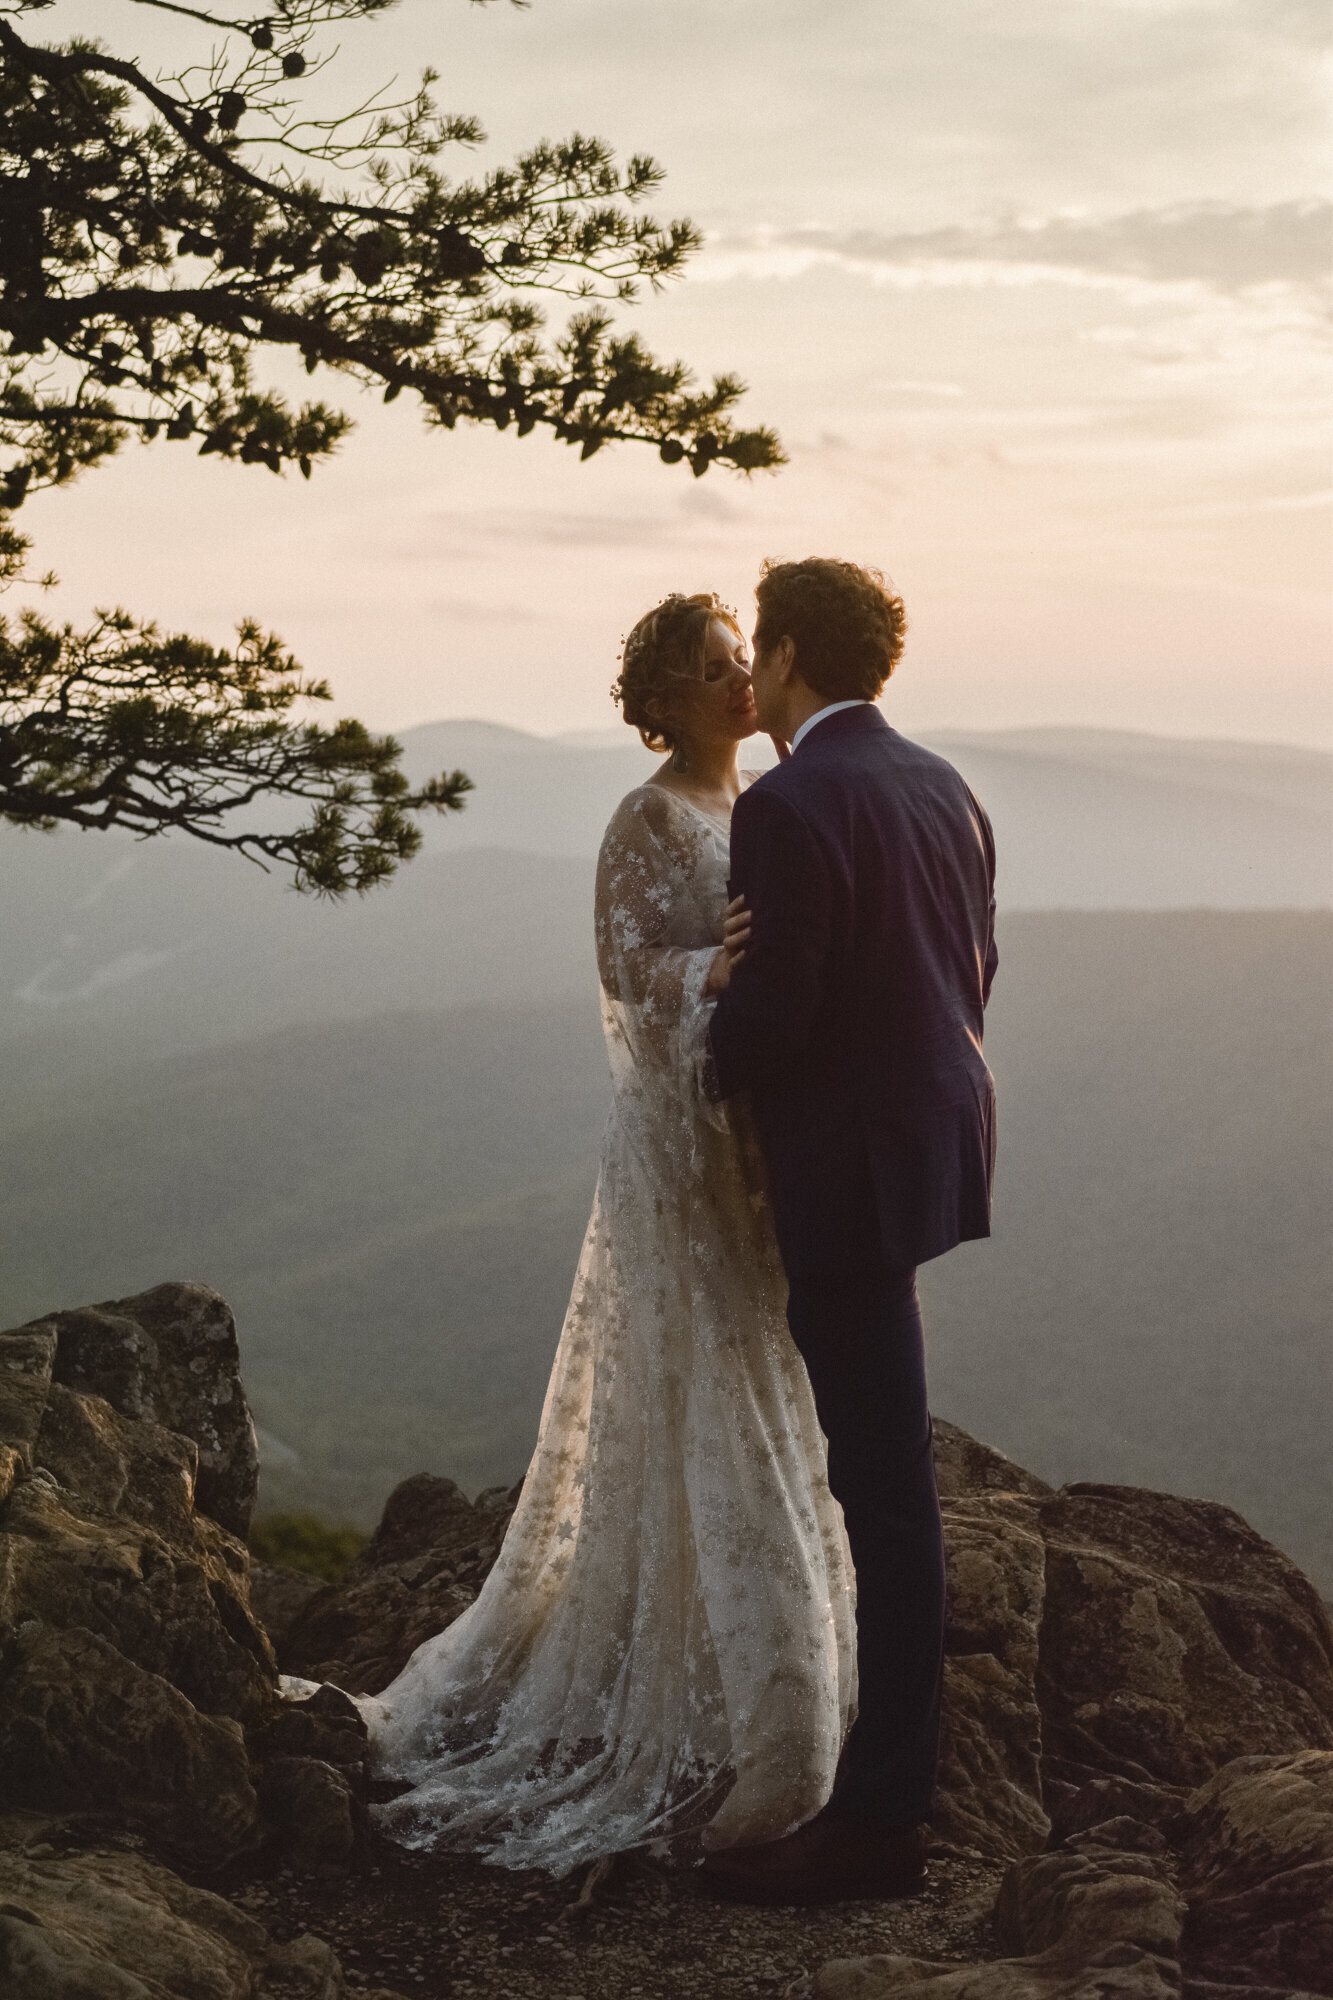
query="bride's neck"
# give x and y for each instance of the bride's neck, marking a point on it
(706, 767)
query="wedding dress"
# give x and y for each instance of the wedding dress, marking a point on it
(665, 1649)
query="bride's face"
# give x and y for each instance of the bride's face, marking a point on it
(719, 705)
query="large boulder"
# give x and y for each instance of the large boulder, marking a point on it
(171, 1355)
(1241, 1910)
(1099, 1919)
(967, 1469)
(1164, 1646)
(130, 1660)
(279, 1595)
(173, 1597)
(424, 1565)
(1173, 1639)
(1256, 1865)
(990, 1794)
(1107, 1650)
(106, 1925)
(85, 1731)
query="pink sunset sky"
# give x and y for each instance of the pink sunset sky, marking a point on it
(1032, 289)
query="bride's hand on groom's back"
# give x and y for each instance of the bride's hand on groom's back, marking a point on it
(735, 937)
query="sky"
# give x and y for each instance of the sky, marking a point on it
(1033, 290)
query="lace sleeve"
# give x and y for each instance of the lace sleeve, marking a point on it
(654, 985)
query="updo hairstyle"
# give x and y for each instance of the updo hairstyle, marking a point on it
(666, 649)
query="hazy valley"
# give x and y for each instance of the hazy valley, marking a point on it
(375, 1129)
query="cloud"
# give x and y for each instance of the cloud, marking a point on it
(529, 526)
(1221, 245)
(1319, 501)
(468, 611)
(910, 385)
(704, 502)
(696, 512)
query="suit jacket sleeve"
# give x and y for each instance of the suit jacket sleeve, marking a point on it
(763, 1022)
(992, 955)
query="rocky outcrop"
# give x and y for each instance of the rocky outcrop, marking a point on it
(1100, 1917)
(170, 1356)
(312, 1787)
(966, 1469)
(131, 1664)
(1239, 1908)
(85, 1730)
(1167, 1637)
(1174, 1638)
(1138, 1715)
(170, 1595)
(1256, 1868)
(279, 1595)
(991, 1793)
(107, 1925)
(423, 1566)
(1158, 1680)
(1108, 1649)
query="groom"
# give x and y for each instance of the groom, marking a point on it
(853, 1020)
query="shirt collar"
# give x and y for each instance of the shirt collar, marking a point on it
(813, 721)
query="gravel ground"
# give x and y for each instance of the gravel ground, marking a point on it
(436, 1927)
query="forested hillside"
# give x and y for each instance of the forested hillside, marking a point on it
(394, 1205)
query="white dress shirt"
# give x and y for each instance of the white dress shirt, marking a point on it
(813, 721)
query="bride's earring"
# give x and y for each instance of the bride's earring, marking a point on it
(680, 763)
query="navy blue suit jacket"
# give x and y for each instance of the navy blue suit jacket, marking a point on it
(854, 1020)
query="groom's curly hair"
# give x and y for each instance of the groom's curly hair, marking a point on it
(846, 623)
(665, 648)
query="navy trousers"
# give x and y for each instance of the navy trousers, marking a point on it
(861, 1340)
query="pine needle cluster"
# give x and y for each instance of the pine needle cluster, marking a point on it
(159, 237)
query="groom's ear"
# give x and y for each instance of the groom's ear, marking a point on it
(784, 658)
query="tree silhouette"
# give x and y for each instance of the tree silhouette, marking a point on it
(157, 235)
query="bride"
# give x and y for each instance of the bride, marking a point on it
(664, 1650)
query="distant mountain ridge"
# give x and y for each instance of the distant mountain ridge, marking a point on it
(116, 949)
(1084, 818)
